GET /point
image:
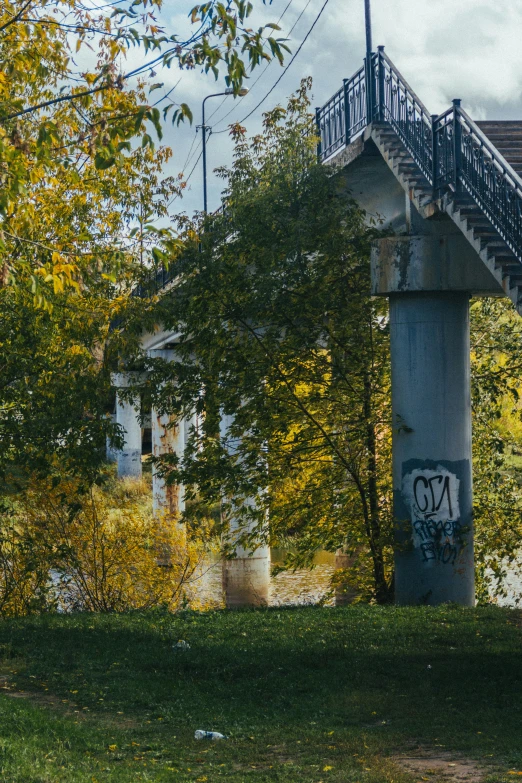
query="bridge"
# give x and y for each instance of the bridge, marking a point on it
(449, 191)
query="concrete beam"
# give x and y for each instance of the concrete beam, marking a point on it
(428, 263)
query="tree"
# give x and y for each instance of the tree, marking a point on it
(80, 199)
(278, 331)
(496, 341)
(56, 119)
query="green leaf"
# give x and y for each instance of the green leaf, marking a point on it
(101, 162)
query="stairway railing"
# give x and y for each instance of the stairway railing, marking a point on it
(344, 117)
(398, 105)
(450, 149)
(490, 181)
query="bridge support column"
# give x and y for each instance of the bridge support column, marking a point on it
(429, 280)
(432, 474)
(128, 417)
(344, 593)
(167, 438)
(111, 454)
(246, 577)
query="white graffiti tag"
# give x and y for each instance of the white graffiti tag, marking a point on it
(433, 499)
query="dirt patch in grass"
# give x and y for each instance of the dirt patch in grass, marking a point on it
(65, 706)
(442, 766)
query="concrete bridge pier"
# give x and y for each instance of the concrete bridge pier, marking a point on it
(167, 438)
(111, 454)
(344, 593)
(128, 417)
(432, 480)
(246, 577)
(429, 279)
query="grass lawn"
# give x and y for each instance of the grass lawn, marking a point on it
(309, 694)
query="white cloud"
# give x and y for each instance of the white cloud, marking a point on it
(468, 49)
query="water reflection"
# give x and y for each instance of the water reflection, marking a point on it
(310, 586)
(304, 586)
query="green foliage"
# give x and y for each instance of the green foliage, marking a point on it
(60, 125)
(80, 199)
(280, 334)
(496, 341)
(279, 330)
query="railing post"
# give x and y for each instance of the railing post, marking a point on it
(318, 128)
(380, 66)
(347, 121)
(434, 153)
(457, 144)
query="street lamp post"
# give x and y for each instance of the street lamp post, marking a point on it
(370, 97)
(205, 128)
(368, 25)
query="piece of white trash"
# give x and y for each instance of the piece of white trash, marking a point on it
(181, 645)
(209, 735)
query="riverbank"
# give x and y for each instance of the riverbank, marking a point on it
(357, 694)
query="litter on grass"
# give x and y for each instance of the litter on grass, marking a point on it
(208, 735)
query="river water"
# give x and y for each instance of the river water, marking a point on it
(301, 587)
(310, 586)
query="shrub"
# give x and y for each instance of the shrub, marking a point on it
(96, 550)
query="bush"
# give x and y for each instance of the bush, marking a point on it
(96, 550)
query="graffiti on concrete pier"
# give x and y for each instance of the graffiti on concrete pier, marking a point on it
(433, 499)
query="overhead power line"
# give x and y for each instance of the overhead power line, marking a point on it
(272, 88)
(267, 66)
(192, 170)
(264, 69)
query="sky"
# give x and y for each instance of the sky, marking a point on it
(445, 49)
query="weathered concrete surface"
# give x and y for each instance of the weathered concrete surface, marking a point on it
(344, 594)
(167, 438)
(110, 452)
(246, 577)
(432, 480)
(127, 415)
(372, 184)
(429, 263)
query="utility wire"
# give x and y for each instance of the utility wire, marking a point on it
(190, 157)
(272, 88)
(188, 178)
(267, 66)
(264, 69)
(189, 153)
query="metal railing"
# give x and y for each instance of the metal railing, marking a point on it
(344, 116)
(398, 105)
(490, 181)
(450, 150)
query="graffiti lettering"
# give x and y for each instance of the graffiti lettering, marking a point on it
(444, 553)
(433, 499)
(431, 488)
